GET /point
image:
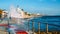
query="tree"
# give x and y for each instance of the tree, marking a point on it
(1, 12)
(29, 14)
(25, 13)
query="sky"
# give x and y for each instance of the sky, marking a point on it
(45, 7)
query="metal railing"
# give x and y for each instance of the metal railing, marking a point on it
(39, 30)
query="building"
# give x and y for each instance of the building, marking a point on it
(15, 12)
(18, 13)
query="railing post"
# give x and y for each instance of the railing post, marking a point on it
(32, 27)
(39, 27)
(46, 28)
(28, 25)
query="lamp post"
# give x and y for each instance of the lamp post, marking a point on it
(8, 25)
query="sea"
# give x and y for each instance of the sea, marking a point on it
(52, 21)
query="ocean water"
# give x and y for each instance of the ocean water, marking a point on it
(53, 23)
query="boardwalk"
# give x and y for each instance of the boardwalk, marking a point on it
(3, 32)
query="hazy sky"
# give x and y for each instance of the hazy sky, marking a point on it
(48, 7)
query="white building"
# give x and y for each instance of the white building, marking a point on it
(16, 12)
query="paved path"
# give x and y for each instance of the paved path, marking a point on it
(3, 32)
